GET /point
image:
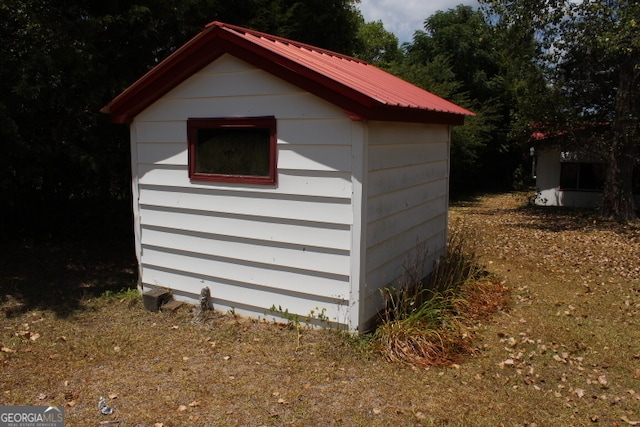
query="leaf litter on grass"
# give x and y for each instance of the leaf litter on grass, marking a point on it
(566, 352)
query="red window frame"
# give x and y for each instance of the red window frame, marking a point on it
(267, 122)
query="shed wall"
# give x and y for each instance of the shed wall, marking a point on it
(407, 202)
(253, 246)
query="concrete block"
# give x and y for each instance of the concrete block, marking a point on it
(154, 298)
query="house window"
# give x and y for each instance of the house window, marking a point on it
(239, 150)
(582, 176)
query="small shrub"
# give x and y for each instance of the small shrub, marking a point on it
(460, 265)
(430, 324)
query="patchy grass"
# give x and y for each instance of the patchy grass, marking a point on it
(566, 352)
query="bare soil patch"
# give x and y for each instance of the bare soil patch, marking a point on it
(565, 352)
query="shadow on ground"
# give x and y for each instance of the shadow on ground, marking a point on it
(59, 276)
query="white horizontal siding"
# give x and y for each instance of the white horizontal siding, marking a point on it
(403, 155)
(290, 105)
(407, 133)
(161, 132)
(163, 153)
(211, 83)
(383, 229)
(383, 181)
(390, 204)
(315, 157)
(300, 232)
(264, 205)
(241, 271)
(301, 183)
(274, 254)
(402, 246)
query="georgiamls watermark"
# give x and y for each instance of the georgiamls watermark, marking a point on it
(31, 416)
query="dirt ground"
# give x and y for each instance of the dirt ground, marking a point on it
(566, 352)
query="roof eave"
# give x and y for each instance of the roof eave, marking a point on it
(200, 51)
(168, 74)
(414, 115)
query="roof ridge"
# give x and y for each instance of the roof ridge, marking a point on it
(255, 33)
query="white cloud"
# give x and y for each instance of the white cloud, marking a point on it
(405, 17)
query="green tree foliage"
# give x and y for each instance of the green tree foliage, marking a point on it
(461, 57)
(61, 161)
(591, 50)
(331, 24)
(376, 45)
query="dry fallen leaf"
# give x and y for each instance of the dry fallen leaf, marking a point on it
(377, 411)
(579, 392)
(602, 380)
(194, 404)
(281, 401)
(24, 334)
(113, 396)
(181, 408)
(158, 425)
(7, 350)
(628, 421)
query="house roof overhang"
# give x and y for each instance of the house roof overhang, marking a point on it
(363, 91)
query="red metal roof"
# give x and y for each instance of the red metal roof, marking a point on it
(363, 91)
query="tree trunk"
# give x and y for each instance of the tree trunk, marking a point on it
(618, 201)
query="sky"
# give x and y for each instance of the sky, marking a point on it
(404, 17)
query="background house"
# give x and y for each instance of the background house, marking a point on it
(568, 178)
(280, 174)
(568, 169)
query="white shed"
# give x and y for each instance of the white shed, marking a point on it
(279, 174)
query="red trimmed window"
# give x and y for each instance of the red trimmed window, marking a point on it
(239, 150)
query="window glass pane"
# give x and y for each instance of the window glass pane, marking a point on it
(591, 176)
(234, 151)
(569, 175)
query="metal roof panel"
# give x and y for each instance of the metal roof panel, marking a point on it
(364, 91)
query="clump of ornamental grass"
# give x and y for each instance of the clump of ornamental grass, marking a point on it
(429, 322)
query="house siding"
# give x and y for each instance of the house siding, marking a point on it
(407, 202)
(255, 247)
